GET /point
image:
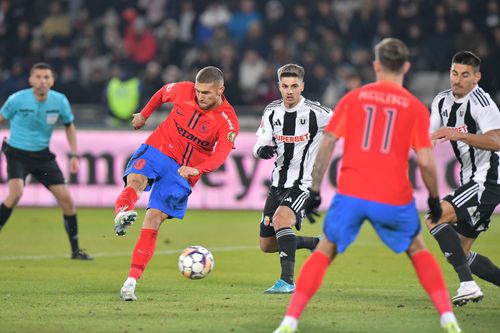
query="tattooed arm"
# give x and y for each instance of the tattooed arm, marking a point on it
(322, 160)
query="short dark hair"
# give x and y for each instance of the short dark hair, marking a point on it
(210, 74)
(392, 54)
(41, 65)
(291, 70)
(467, 58)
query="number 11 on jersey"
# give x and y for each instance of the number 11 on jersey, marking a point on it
(370, 114)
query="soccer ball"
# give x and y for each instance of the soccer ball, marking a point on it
(196, 262)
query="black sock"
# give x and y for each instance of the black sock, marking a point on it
(451, 247)
(72, 230)
(4, 214)
(307, 242)
(484, 268)
(286, 247)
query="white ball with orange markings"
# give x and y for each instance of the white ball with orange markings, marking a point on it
(196, 262)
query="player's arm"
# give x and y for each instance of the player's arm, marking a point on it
(7, 111)
(70, 130)
(222, 150)
(435, 118)
(486, 141)
(225, 144)
(426, 163)
(322, 160)
(163, 95)
(427, 166)
(264, 148)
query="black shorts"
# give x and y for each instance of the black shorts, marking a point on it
(292, 197)
(474, 204)
(41, 165)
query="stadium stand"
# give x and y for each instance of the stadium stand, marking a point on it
(248, 39)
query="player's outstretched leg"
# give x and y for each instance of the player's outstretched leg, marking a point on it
(309, 243)
(310, 278)
(4, 214)
(482, 267)
(286, 248)
(125, 215)
(451, 247)
(431, 278)
(143, 251)
(127, 293)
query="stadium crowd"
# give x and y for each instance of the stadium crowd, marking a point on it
(90, 43)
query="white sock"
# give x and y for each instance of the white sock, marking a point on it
(291, 321)
(130, 281)
(447, 317)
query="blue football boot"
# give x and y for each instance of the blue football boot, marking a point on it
(281, 287)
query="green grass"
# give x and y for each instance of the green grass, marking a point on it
(366, 290)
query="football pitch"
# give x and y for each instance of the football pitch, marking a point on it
(367, 289)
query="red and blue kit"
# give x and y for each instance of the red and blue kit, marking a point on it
(189, 135)
(379, 122)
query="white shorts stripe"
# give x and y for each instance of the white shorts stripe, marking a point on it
(298, 202)
(464, 197)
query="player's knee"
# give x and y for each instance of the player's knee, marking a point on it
(137, 182)
(280, 221)
(68, 205)
(15, 196)
(268, 246)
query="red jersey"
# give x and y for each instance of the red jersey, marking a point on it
(198, 138)
(380, 122)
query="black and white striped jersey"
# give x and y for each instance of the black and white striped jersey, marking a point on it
(296, 134)
(474, 113)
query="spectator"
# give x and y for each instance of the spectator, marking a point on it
(122, 96)
(56, 28)
(251, 70)
(151, 81)
(274, 22)
(140, 43)
(240, 22)
(254, 40)
(215, 15)
(91, 61)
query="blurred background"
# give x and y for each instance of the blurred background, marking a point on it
(111, 56)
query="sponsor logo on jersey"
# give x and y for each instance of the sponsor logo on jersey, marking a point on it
(461, 129)
(277, 123)
(292, 138)
(231, 127)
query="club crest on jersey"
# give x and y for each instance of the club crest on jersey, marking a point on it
(204, 125)
(231, 136)
(302, 120)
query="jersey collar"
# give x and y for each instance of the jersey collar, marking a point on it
(296, 107)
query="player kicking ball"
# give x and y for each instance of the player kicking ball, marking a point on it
(195, 138)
